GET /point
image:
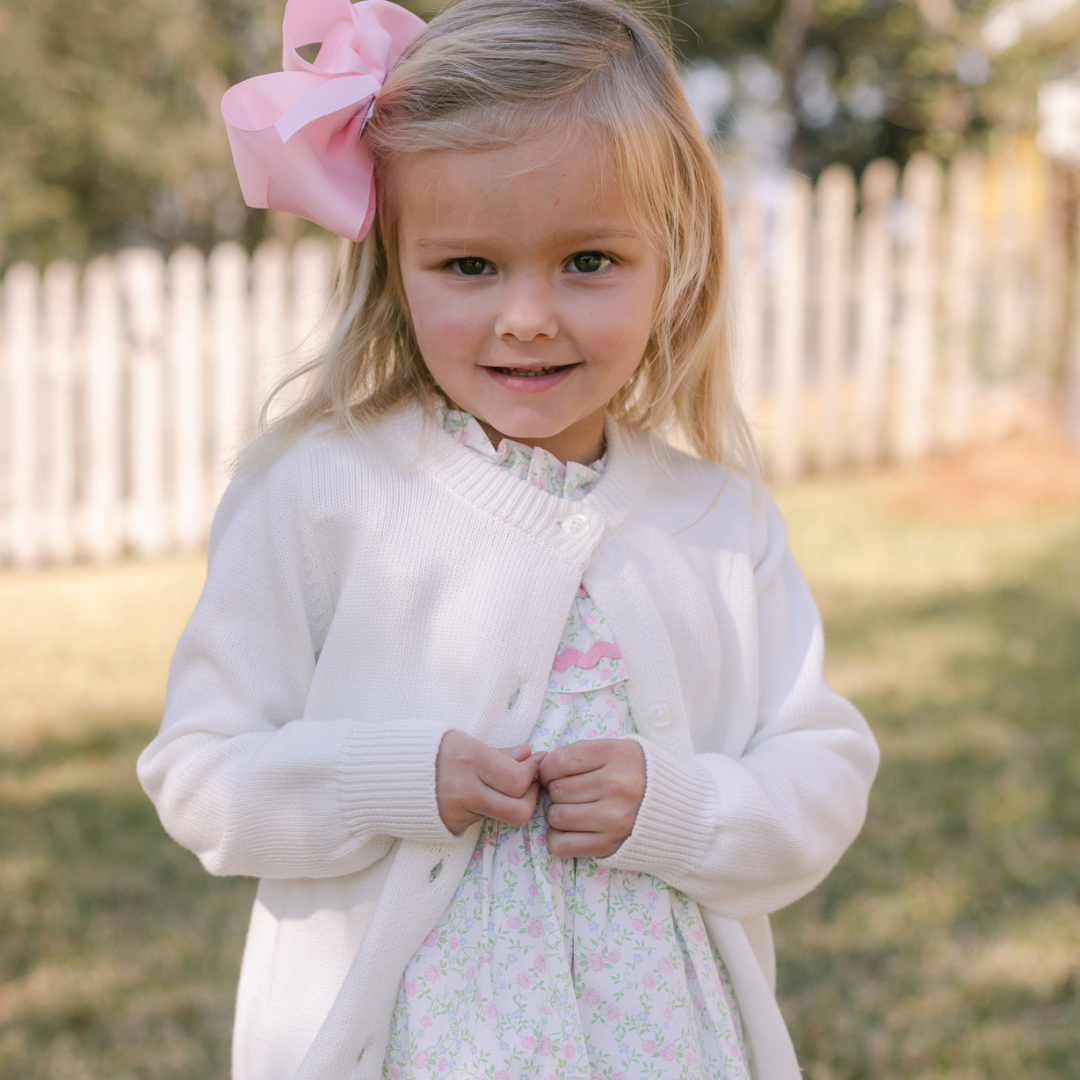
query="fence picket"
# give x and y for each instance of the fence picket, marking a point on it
(125, 396)
(873, 340)
(21, 316)
(1051, 307)
(186, 386)
(312, 271)
(229, 357)
(142, 275)
(1071, 403)
(960, 297)
(61, 303)
(270, 300)
(791, 346)
(100, 532)
(1006, 276)
(922, 194)
(835, 221)
(748, 306)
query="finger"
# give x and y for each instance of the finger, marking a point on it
(609, 818)
(574, 758)
(516, 812)
(521, 752)
(505, 775)
(583, 788)
(579, 817)
(574, 845)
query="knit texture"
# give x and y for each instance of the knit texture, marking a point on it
(304, 710)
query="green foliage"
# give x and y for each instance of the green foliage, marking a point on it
(111, 132)
(902, 75)
(108, 119)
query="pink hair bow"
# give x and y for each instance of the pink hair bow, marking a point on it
(295, 134)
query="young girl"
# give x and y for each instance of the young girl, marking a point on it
(517, 711)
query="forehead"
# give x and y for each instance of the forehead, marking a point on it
(541, 188)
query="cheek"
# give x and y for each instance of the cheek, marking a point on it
(443, 323)
(447, 330)
(618, 332)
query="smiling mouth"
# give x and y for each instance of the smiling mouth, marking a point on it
(532, 373)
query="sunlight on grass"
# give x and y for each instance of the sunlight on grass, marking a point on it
(89, 647)
(118, 953)
(945, 946)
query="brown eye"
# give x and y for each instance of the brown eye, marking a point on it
(471, 266)
(589, 262)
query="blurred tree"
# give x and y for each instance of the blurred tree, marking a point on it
(862, 78)
(108, 121)
(110, 130)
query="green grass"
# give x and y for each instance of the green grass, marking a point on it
(945, 945)
(118, 953)
(947, 942)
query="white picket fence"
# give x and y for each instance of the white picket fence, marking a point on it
(877, 324)
(128, 387)
(911, 315)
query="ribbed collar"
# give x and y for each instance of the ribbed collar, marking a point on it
(615, 498)
(530, 464)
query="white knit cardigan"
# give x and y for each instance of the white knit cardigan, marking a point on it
(367, 594)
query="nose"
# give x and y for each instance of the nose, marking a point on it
(527, 311)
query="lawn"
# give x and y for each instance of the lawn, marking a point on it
(945, 945)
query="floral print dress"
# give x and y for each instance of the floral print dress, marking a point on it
(545, 968)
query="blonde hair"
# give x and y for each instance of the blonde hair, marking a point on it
(485, 74)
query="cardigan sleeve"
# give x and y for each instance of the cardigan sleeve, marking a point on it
(236, 773)
(747, 835)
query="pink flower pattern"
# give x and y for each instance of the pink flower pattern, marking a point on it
(558, 968)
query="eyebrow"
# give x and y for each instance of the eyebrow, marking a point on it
(456, 243)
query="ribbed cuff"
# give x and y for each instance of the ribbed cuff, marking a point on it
(386, 780)
(667, 837)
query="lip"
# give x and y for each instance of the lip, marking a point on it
(530, 384)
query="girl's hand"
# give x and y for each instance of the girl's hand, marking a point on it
(596, 787)
(474, 781)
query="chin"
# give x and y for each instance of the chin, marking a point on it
(530, 429)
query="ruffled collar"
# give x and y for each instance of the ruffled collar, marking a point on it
(534, 465)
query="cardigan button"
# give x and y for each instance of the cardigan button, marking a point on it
(436, 870)
(576, 526)
(660, 714)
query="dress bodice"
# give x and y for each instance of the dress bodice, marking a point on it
(544, 968)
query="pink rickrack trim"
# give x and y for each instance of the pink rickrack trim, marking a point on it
(569, 658)
(295, 134)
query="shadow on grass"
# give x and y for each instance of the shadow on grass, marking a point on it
(945, 945)
(947, 942)
(118, 952)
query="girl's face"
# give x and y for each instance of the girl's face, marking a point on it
(531, 290)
